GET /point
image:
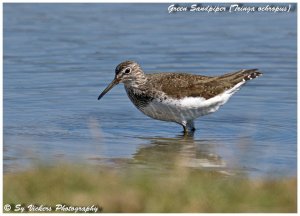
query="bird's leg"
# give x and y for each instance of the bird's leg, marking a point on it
(188, 127)
(185, 130)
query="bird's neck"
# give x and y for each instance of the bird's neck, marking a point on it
(139, 82)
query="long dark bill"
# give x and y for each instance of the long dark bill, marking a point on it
(109, 87)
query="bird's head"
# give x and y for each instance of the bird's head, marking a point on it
(127, 72)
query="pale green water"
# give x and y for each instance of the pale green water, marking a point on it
(59, 57)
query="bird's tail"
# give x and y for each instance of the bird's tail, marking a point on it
(242, 75)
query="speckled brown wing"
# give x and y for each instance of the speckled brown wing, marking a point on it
(179, 85)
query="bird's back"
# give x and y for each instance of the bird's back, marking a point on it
(178, 85)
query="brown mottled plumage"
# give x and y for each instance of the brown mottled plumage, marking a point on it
(178, 85)
(177, 97)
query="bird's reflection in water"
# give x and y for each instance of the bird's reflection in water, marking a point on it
(182, 151)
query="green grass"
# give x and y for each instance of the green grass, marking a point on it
(140, 190)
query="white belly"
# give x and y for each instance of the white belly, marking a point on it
(188, 108)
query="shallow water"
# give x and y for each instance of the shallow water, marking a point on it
(59, 57)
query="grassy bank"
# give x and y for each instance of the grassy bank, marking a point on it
(137, 190)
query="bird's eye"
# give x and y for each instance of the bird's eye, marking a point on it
(127, 70)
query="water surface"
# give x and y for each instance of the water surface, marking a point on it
(59, 57)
